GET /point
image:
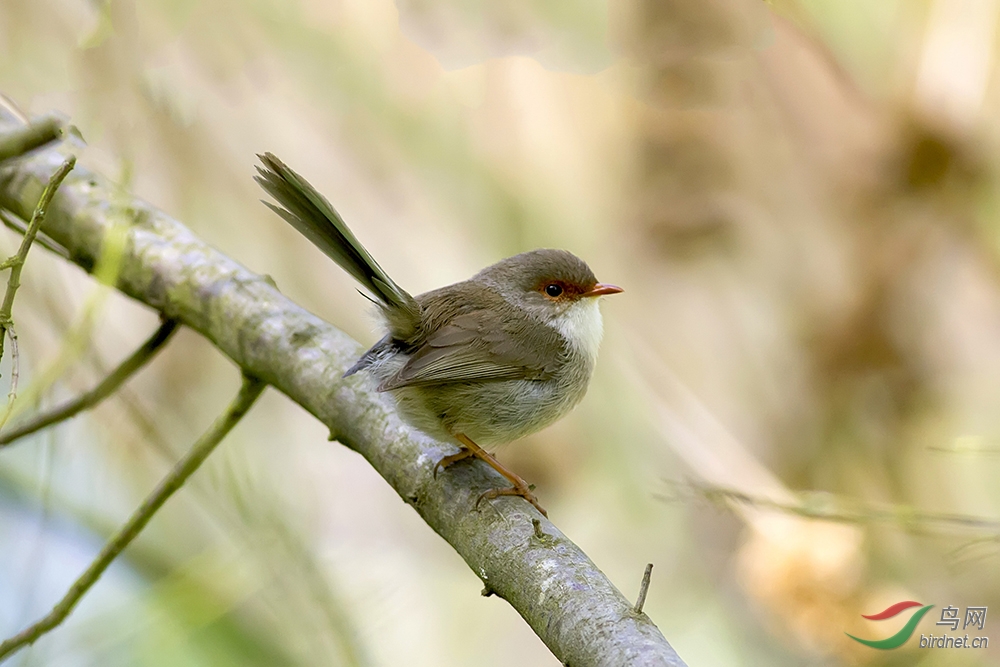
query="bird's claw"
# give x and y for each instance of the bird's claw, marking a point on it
(523, 492)
(453, 458)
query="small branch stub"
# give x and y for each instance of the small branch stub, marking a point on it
(643, 589)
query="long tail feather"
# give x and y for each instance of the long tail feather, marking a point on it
(304, 208)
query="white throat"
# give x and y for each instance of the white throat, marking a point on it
(582, 326)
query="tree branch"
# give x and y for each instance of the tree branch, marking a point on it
(564, 597)
(25, 138)
(174, 480)
(105, 388)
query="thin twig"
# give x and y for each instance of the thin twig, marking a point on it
(30, 137)
(9, 105)
(105, 268)
(15, 223)
(643, 589)
(829, 508)
(184, 468)
(105, 388)
(14, 280)
(15, 366)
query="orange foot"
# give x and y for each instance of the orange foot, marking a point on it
(522, 490)
(520, 487)
(447, 461)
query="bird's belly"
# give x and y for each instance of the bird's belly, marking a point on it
(490, 413)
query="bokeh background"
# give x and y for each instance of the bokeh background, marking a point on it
(800, 198)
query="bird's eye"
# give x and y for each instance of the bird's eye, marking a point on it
(553, 290)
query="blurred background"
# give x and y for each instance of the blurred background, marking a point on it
(800, 198)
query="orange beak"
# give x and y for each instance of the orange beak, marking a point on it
(601, 289)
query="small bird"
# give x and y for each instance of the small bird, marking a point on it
(482, 362)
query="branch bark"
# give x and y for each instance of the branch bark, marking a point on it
(563, 596)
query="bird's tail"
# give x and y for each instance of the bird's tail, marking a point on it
(303, 207)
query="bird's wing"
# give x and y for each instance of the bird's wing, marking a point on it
(481, 345)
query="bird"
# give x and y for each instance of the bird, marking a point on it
(481, 362)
